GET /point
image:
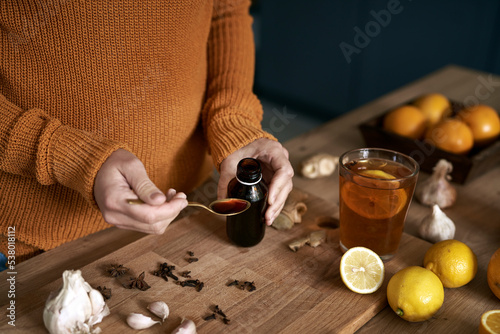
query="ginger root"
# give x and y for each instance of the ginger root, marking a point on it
(313, 239)
(292, 211)
(319, 165)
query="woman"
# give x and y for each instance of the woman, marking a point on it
(103, 101)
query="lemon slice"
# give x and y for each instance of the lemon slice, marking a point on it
(490, 322)
(362, 270)
(377, 174)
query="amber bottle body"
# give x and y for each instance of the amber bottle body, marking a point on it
(248, 228)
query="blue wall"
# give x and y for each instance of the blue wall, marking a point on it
(328, 56)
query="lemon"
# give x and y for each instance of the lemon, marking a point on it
(490, 322)
(407, 121)
(434, 106)
(377, 174)
(452, 261)
(372, 198)
(415, 293)
(362, 270)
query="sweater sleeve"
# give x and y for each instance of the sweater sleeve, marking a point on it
(32, 144)
(232, 114)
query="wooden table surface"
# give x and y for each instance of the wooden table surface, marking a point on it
(476, 212)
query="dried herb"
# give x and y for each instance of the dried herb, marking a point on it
(137, 283)
(192, 259)
(192, 283)
(105, 292)
(117, 270)
(250, 286)
(235, 282)
(210, 317)
(219, 311)
(165, 271)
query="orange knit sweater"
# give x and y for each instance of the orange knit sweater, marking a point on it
(171, 81)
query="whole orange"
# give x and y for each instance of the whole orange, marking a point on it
(493, 273)
(451, 135)
(407, 121)
(483, 121)
(435, 107)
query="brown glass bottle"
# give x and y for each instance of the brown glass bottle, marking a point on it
(248, 228)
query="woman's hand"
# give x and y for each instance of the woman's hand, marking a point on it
(276, 169)
(123, 177)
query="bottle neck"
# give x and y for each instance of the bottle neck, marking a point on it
(249, 183)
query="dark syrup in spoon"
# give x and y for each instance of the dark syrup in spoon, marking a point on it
(229, 206)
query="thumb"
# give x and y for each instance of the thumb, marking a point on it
(145, 189)
(226, 174)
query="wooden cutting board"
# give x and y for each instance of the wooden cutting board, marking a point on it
(296, 292)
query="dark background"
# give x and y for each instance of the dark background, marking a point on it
(300, 62)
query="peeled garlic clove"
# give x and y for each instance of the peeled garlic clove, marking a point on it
(186, 327)
(437, 189)
(319, 165)
(437, 226)
(139, 321)
(160, 309)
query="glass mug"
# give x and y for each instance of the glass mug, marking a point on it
(376, 187)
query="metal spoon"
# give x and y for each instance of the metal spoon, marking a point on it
(222, 207)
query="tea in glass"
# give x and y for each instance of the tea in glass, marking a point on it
(376, 187)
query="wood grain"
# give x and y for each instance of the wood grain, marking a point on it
(296, 291)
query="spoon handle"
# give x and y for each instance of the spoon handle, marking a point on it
(135, 201)
(198, 204)
(140, 201)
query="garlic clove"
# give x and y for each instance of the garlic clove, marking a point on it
(139, 321)
(160, 309)
(186, 327)
(437, 226)
(436, 189)
(99, 307)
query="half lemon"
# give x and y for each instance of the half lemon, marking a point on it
(362, 270)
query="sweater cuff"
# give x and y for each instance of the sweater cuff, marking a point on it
(75, 156)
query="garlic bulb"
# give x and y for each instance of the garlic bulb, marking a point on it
(437, 189)
(186, 327)
(319, 165)
(75, 308)
(437, 226)
(160, 309)
(139, 321)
